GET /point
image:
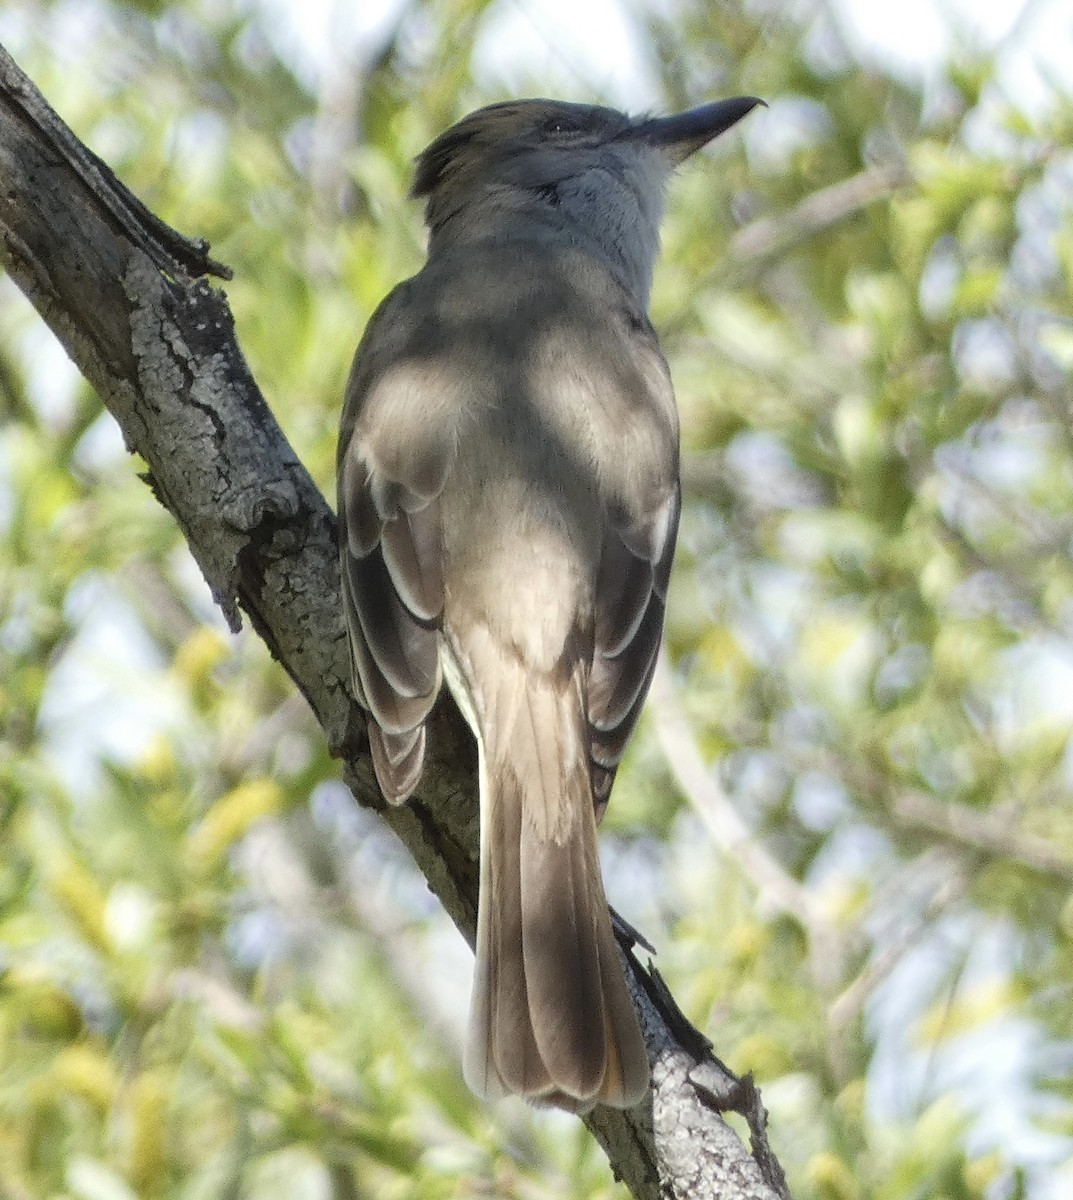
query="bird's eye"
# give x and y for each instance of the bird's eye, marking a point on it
(561, 125)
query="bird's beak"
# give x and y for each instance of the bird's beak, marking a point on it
(681, 135)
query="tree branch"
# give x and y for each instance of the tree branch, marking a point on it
(700, 785)
(128, 299)
(756, 244)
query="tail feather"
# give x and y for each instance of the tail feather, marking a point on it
(560, 958)
(551, 1017)
(500, 1029)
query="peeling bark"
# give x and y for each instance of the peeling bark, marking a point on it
(130, 300)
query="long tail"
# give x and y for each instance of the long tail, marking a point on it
(551, 1017)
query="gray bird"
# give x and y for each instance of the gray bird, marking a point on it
(508, 506)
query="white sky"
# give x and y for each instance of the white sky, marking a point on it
(594, 46)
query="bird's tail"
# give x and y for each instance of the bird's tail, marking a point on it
(551, 1016)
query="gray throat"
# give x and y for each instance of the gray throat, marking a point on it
(611, 210)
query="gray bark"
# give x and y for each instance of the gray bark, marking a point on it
(130, 300)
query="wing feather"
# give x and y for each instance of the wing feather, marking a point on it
(390, 549)
(631, 591)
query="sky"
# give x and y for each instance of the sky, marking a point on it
(596, 46)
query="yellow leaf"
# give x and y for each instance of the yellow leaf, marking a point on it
(981, 1173)
(832, 1177)
(965, 1013)
(157, 764)
(761, 1055)
(230, 817)
(37, 1003)
(976, 293)
(199, 655)
(721, 651)
(148, 1106)
(80, 895)
(84, 1070)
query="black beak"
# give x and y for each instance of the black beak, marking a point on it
(682, 134)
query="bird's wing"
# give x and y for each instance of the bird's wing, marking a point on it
(635, 565)
(631, 599)
(392, 465)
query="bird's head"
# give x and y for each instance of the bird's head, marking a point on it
(581, 169)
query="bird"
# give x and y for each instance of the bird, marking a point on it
(508, 503)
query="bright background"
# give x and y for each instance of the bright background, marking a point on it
(846, 818)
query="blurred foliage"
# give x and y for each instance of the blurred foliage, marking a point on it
(217, 978)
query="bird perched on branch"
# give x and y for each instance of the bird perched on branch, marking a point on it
(508, 505)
